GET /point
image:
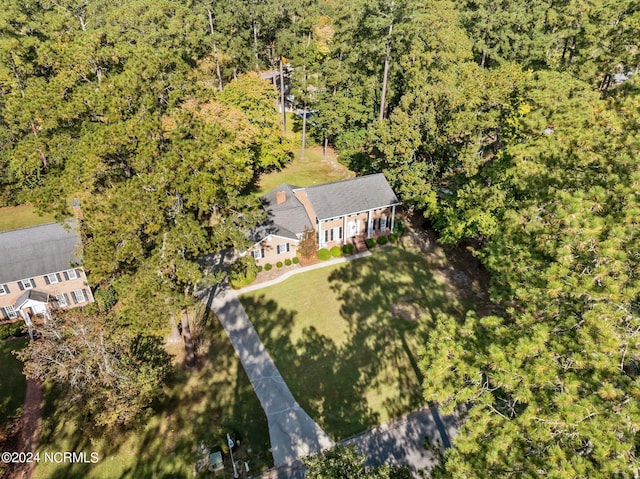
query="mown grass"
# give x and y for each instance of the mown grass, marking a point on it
(198, 407)
(313, 170)
(13, 384)
(349, 361)
(14, 217)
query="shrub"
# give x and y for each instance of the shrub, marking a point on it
(243, 272)
(268, 267)
(370, 242)
(13, 329)
(398, 228)
(348, 249)
(287, 262)
(279, 264)
(260, 269)
(336, 251)
(393, 237)
(324, 254)
(106, 298)
(382, 240)
(296, 260)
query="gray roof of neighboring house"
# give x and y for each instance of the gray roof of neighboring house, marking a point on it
(286, 219)
(38, 250)
(351, 196)
(32, 294)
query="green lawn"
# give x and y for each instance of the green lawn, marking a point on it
(12, 382)
(199, 406)
(14, 217)
(350, 362)
(313, 170)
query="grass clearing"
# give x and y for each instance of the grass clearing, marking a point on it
(313, 170)
(349, 361)
(23, 216)
(198, 407)
(13, 384)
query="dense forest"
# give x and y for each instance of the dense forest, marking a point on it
(511, 126)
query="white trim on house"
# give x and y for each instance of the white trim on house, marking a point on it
(69, 272)
(53, 278)
(356, 212)
(275, 236)
(10, 311)
(28, 283)
(4, 289)
(80, 296)
(62, 300)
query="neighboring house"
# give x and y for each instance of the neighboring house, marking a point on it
(348, 211)
(40, 270)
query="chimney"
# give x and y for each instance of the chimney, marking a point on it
(281, 197)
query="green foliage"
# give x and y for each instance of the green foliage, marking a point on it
(106, 298)
(260, 268)
(268, 267)
(382, 240)
(370, 242)
(336, 251)
(279, 264)
(393, 238)
(348, 249)
(287, 262)
(11, 329)
(345, 462)
(398, 228)
(324, 254)
(243, 272)
(296, 260)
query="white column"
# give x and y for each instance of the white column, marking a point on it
(369, 224)
(393, 216)
(344, 230)
(320, 233)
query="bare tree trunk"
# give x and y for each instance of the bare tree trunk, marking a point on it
(304, 130)
(255, 43)
(324, 146)
(385, 76)
(215, 51)
(284, 114)
(189, 350)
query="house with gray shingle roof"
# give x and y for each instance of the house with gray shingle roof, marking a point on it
(40, 269)
(339, 213)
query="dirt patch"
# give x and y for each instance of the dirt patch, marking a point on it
(406, 309)
(25, 433)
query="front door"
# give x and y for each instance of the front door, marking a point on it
(353, 228)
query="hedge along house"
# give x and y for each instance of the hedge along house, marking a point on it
(39, 270)
(339, 213)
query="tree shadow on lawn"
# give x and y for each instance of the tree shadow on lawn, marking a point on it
(199, 406)
(373, 375)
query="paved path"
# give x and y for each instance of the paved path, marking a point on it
(401, 441)
(292, 432)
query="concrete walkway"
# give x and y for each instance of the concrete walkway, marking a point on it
(292, 432)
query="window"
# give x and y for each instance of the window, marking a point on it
(4, 289)
(9, 312)
(63, 300)
(70, 274)
(258, 253)
(326, 236)
(51, 278)
(27, 284)
(383, 224)
(336, 233)
(283, 248)
(80, 296)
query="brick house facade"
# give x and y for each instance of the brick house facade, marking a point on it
(339, 213)
(40, 270)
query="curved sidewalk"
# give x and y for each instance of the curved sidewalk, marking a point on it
(292, 432)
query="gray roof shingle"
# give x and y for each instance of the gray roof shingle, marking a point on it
(32, 294)
(286, 219)
(38, 250)
(351, 196)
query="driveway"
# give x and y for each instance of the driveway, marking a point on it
(292, 432)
